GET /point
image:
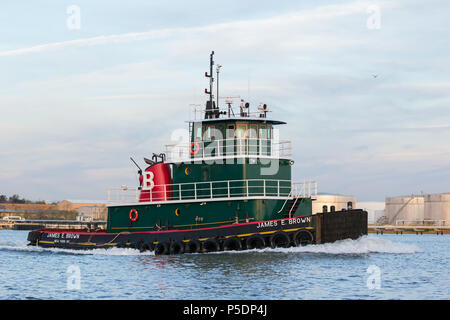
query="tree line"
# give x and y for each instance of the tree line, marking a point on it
(16, 199)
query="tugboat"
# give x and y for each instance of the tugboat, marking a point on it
(228, 188)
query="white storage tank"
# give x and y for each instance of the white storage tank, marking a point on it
(405, 210)
(437, 208)
(375, 210)
(338, 201)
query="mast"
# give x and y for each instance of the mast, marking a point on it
(209, 103)
(211, 79)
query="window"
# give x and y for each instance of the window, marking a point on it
(262, 132)
(253, 132)
(230, 131)
(198, 134)
(269, 132)
(209, 133)
(242, 131)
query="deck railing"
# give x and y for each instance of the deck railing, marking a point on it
(216, 190)
(198, 112)
(226, 148)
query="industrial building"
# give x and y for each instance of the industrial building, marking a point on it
(375, 211)
(92, 212)
(429, 209)
(425, 209)
(332, 202)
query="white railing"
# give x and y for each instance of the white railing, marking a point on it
(198, 112)
(305, 189)
(217, 190)
(229, 148)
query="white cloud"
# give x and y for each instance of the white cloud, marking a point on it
(245, 33)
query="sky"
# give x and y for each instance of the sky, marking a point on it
(364, 87)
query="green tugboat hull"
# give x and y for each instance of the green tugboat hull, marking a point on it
(295, 231)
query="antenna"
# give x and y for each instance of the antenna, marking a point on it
(140, 170)
(217, 85)
(229, 101)
(248, 83)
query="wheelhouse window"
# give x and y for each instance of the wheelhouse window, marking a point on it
(269, 132)
(230, 131)
(241, 131)
(209, 133)
(262, 132)
(253, 132)
(198, 133)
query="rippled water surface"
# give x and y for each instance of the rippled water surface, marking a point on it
(404, 266)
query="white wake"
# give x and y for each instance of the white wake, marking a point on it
(22, 246)
(362, 245)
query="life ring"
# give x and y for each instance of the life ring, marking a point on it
(197, 148)
(136, 215)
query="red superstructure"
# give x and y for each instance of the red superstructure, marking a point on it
(156, 183)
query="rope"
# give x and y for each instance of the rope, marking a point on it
(110, 241)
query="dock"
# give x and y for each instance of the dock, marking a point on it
(392, 229)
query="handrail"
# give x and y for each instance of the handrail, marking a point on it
(197, 112)
(285, 201)
(220, 148)
(293, 205)
(223, 189)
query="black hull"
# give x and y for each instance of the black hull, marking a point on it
(313, 229)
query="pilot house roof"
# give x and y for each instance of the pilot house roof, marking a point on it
(250, 119)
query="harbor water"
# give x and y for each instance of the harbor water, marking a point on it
(372, 267)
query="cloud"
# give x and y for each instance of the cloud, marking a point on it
(79, 108)
(244, 32)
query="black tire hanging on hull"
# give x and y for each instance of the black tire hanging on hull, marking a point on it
(145, 247)
(303, 238)
(280, 239)
(255, 242)
(176, 247)
(210, 245)
(162, 248)
(233, 243)
(193, 246)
